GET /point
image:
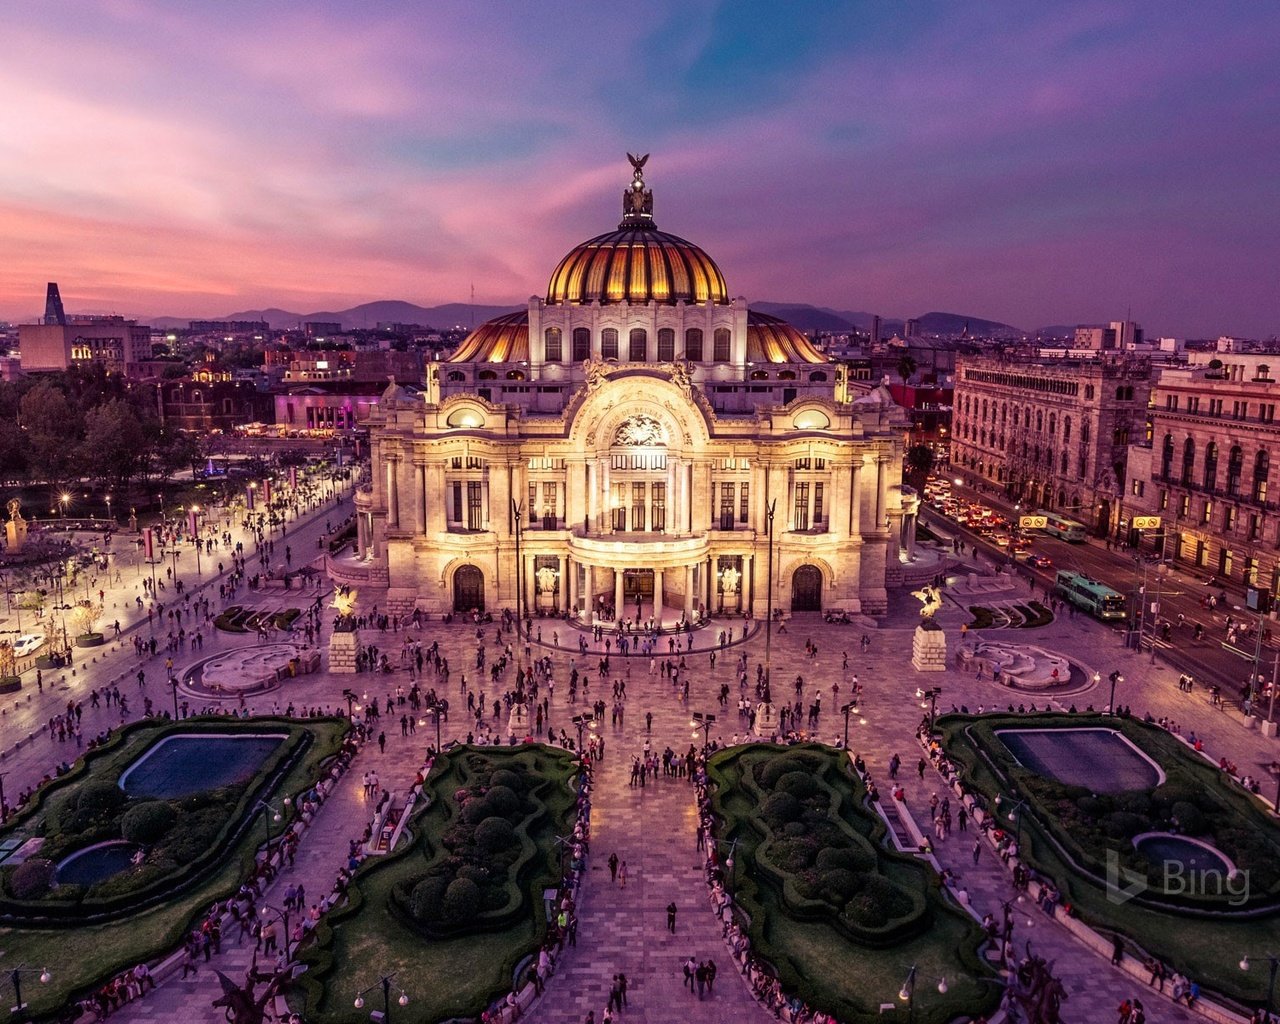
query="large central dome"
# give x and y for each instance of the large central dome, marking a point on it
(637, 263)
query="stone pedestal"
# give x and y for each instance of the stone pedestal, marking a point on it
(15, 534)
(766, 720)
(343, 647)
(929, 650)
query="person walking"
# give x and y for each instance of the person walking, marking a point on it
(622, 874)
(977, 851)
(613, 867)
(671, 917)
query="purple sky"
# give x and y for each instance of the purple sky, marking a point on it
(1032, 163)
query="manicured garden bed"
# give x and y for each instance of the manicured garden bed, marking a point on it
(1081, 836)
(839, 916)
(196, 850)
(456, 907)
(247, 620)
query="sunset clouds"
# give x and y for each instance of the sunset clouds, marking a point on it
(1032, 163)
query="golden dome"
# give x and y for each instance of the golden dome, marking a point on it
(504, 339)
(637, 264)
(771, 340)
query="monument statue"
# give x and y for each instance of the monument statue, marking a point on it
(240, 1004)
(16, 528)
(1035, 992)
(344, 603)
(930, 598)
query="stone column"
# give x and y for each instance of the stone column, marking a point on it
(911, 536)
(690, 605)
(362, 534)
(657, 594)
(617, 592)
(745, 584)
(571, 587)
(420, 495)
(859, 496)
(563, 595)
(591, 592)
(882, 492)
(393, 494)
(436, 521)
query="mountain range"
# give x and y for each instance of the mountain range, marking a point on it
(460, 314)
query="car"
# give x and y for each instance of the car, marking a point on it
(1039, 561)
(27, 644)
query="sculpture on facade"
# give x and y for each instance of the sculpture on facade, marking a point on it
(640, 431)
(729, 579)
(547, 577)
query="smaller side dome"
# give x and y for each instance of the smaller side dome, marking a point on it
(772, 340)
(504, 339)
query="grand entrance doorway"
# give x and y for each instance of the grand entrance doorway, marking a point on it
(637, 583)
(806, 589)
(468, 589)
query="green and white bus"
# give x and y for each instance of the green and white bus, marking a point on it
(1061, 526)
(1096, 598)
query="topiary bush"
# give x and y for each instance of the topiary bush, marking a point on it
(32, 878)
(98, 797)
(495, 834)
(147, 822)
(800, 785)
(461, 901)
(426, 903)
(781, 808)
(503, 801)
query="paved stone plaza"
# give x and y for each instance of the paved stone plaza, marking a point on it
(652, 829)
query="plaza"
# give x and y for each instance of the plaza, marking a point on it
(651, 828)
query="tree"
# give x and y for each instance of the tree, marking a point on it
(114, 442)
(920, 463)
(906, 367)
(53, 426)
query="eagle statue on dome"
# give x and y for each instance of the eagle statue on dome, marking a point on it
(636, 199)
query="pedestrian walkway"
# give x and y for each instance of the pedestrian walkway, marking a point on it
(623, 928)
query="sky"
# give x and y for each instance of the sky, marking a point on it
(1036, 164)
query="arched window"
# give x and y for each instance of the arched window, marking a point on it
(1119, 394)
(581, 344)
(720, 345)
(1063, 462)
(609, 343)
(1039, 421)
(693, 345)
(638, 347)
(1166, 457)
(786, 375)
(487, 375)
(1235, 466)
(666, 345)
(817, 376)
(1066, 429)
(759, 375)
(515, 375)
(553, 345)
(1188, 460)
(456, 375)
(1211, 465)
(1261, 469)
(1053, 424)
(1085, 432)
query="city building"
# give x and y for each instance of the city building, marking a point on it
(1051, 433)
(1119, 335)
(635, 438)
(211, 400)
(60, 341)
(1208, 467)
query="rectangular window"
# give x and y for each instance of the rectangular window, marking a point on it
(619, 503)
(744, 503)
(637, 506)
(1207, 516)
(726, 506)
(693, 345)
(550, 512)
(1164, 500)
(608, 343)
(475, 513)
(531, 509)
(1184, 505)
(817, 503)
(658, 496)
(457, 503)
(802, 507)
(581, 344)
(666, 345)
(720, 344)
(553, 347)
(639, 345)
(1255, 526)
(1229, 518)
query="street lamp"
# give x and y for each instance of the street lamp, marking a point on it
(581, 722)
(173, 685)
(350, 698)
(517, 511)
(704, 722)
(271, 813)
(109, 515)
(931, 695)
(63, 499)
(768, 621)
(1273, 962)
(908, 992)
(195, 534)
(385, 983)
(848, 709)
(283, 916)
(4, 808)
(437, 709)
(15, 976)
(1115, 677)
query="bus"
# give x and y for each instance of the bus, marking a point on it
(1096, 598)
(1061, 526)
